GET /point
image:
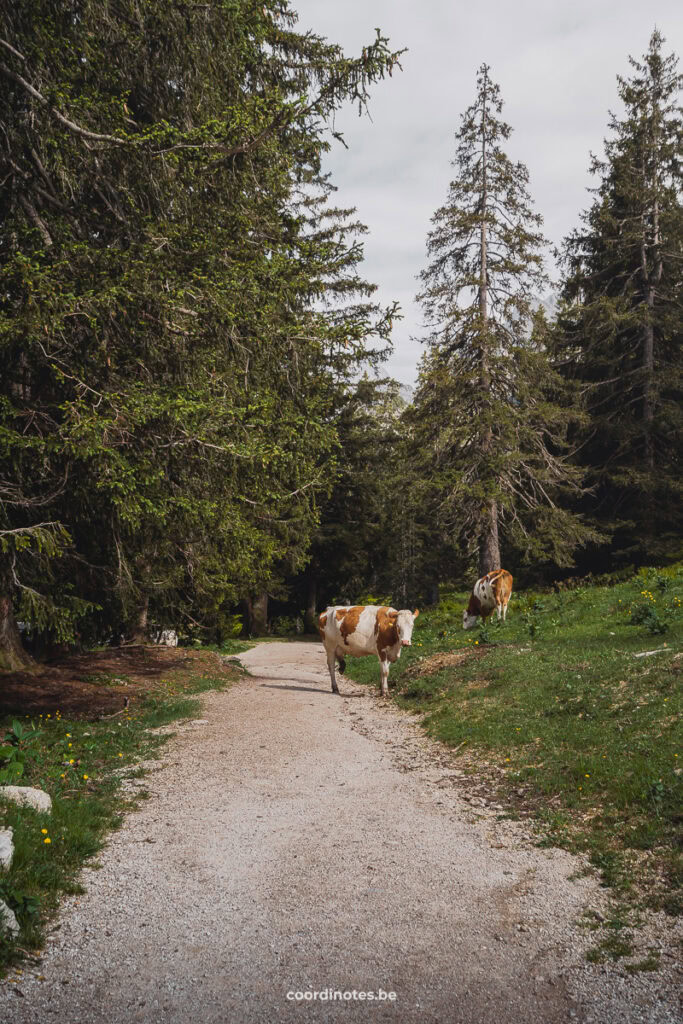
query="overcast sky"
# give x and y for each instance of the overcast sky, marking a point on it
(556, 63)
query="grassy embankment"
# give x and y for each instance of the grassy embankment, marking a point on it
(565, 723)
(80, 761)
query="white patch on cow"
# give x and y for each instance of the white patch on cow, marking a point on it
(405, 623)
(362, 640)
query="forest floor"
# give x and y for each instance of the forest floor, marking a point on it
(85, 685)
(298, 842)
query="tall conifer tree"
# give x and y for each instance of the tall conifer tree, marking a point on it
(484, 404)
(164, 417)
(620, 327)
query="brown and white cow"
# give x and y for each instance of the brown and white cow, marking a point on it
(356, 630)
(491, 591)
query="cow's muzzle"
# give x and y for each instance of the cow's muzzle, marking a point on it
(406, 643)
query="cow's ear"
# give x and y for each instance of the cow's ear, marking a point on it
(392, 615)
(416, 613)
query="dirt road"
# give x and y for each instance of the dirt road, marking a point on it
(295, 842)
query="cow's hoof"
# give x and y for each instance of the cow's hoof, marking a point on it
(335, 689)
(342, 666)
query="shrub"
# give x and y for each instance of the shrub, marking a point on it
(286, 625)
(645, 613)
(372, 599)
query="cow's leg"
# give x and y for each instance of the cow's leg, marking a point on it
(331, 659)
(342, 664)
(499, 611)
(505, 610)
(384, 676)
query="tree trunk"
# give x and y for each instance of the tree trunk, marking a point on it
(310, 615)
(248, 618)
(139, 630)
(649, 341)
(648, 404)
(489, 548)
(648, 354)
(13, 657)
(259, 604)
(483, 264)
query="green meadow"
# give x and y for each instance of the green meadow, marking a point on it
(570, 715)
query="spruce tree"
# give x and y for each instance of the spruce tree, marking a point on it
(164, 415)
(619, 334)
(486, 406)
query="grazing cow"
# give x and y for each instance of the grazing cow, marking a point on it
(356, 630)
(491, 591)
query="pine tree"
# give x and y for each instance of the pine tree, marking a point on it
(485, 408)
(620, 327)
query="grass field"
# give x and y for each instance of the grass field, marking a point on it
(79, 761)
(565, 720)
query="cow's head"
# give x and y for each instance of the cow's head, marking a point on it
(468, 619)
(405, 620)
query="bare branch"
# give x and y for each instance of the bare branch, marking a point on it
(3, 42)
(37, 221)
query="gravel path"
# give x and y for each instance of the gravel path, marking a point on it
(298, 841)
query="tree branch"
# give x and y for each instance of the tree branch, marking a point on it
(71, 125)
(37, 221)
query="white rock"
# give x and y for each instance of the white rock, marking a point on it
(8, 922)
(27, 796)
(6, 848)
